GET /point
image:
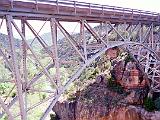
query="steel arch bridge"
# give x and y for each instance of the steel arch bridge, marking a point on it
(137, 31)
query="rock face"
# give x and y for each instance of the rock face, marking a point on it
(124, 113)
(65, 110)
(132, 113)
(129, 75)
(99, 102)
(96, 101)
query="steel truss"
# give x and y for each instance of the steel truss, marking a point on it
(138, 39)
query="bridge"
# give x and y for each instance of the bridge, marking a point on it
(141, 40)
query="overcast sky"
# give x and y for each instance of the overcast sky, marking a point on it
(148, 5)
(151, 5)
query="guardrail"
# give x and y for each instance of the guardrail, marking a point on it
(91, 6)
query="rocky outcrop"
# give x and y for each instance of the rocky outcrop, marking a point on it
(99, 102)
(129, 75)
(123, 113)
(65, 110)
(96, 101)
(132, 113)
(118, 98)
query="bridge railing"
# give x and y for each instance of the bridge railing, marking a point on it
(91, 6)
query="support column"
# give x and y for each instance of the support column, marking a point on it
(101, 31)
(55, 50)
(140, 33)
(83, 39)
(107, 32)
(24, 62)
(15, 67)
(152, 37)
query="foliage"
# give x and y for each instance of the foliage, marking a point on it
(71, 97)
(128, 58)
(87, 77)
(157, 104)
(54, 117)
(4, 87)
(149, 104)
(5, 117)
(4, 71)
(114, 86)
(63, 73)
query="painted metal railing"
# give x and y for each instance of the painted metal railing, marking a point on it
(91, 6)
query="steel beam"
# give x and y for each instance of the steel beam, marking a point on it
(83, 39)
(2, 104)
(40, 40)
(55, 50)
(117, 32)
(69, 40)
(24, 63)
(96, 36)
(13, 101)
(38, 75)
(15, 66)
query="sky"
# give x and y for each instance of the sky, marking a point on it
(148, 5)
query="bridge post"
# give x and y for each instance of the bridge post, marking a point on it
(140, 33)
(107, 32)
(82, 27)
(24, 62)
(16, 71)
(152, 39)
(55, 50)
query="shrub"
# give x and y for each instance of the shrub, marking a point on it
(149, 104)
(129, 58)
(71, 97)
(53, 117)
(157, 104)
(114, 86)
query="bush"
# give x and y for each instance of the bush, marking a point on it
(71, 97)
(53, 117)
(4, 87)
(129, 58)
(114, 86)
(157, 104)
(149, 104)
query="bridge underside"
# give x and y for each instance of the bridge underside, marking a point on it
(136, 31)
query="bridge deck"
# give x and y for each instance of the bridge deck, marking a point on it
(75, 11)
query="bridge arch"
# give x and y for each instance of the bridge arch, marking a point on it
(102, 51)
